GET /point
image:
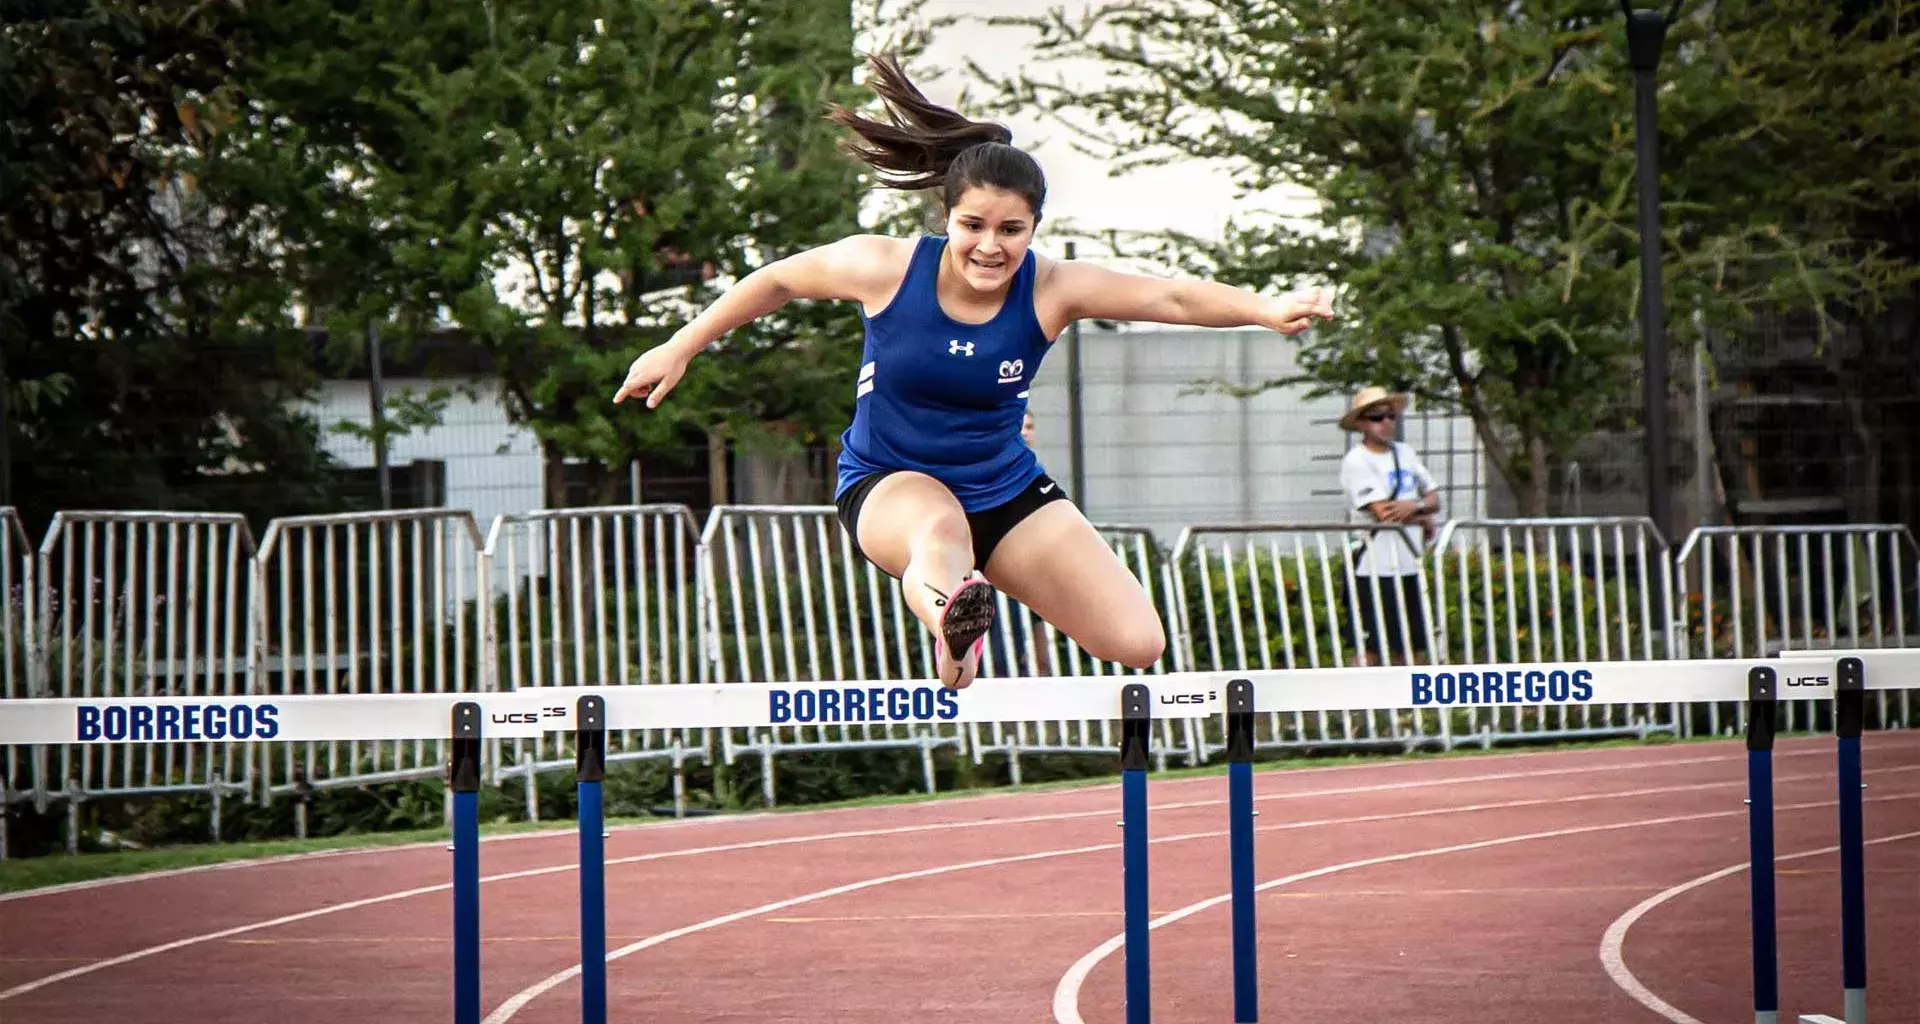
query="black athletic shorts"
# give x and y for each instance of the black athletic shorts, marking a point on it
(989, 526)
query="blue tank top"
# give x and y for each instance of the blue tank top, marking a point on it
(942, 397)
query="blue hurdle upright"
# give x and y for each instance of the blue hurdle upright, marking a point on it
(590, 769)
(1850, 713)
(1849, 720)
(1136, 721)
(1762, 687)
(463, 773)
(1246, 968)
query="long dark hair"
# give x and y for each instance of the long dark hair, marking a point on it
(923, 145)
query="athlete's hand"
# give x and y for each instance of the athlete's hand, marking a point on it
(1294, 312)
(653, 375)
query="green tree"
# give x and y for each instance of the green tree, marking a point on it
(149, 358)
(1473, 174)
(320, 85)
(1815, 129)
(565, 183)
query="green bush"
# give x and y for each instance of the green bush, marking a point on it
(1515, 601)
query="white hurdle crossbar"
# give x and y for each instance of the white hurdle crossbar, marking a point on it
(530, 713)
(592, 711)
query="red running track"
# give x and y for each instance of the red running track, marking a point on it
(1481, 888)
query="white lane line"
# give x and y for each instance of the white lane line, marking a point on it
(194, 940)
(1613, 942)
(1066, 995)
(563, 832)
(558, 831)
(519, 1000)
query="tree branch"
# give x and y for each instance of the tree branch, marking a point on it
(1476, 406)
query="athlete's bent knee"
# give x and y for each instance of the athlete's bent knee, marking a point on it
(941, 531)
(1140, 648)
(1144, 651)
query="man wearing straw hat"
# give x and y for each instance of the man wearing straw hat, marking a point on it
(1386, 480)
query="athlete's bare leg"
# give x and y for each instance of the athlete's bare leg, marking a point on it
(1057, 564)
(914, 529)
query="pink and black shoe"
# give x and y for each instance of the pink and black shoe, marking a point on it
(964, 622)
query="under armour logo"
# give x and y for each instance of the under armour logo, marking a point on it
(1011, 369)
(955, 348)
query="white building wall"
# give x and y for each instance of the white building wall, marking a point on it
(1165, 459)
(493, 468)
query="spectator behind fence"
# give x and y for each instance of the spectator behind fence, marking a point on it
(1386, 480)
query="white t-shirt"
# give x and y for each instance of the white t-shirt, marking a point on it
(1368, 476)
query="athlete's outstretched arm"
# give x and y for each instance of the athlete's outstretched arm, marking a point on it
(1091, 292)
(856, 267)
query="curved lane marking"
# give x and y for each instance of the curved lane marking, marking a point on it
(1066, 995)
(1612, 943)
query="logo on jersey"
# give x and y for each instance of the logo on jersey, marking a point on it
(1011, 369)
(955, 348)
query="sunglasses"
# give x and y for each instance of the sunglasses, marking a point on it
(1382, 417)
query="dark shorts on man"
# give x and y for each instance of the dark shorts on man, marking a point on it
(1396, 593)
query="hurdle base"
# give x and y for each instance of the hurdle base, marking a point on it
(1856, 1011)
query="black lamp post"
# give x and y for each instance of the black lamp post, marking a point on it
(1646, 35)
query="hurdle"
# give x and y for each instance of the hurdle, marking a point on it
(1854, 673)
(1235, 698)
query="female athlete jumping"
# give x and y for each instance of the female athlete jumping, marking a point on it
(934, 481)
